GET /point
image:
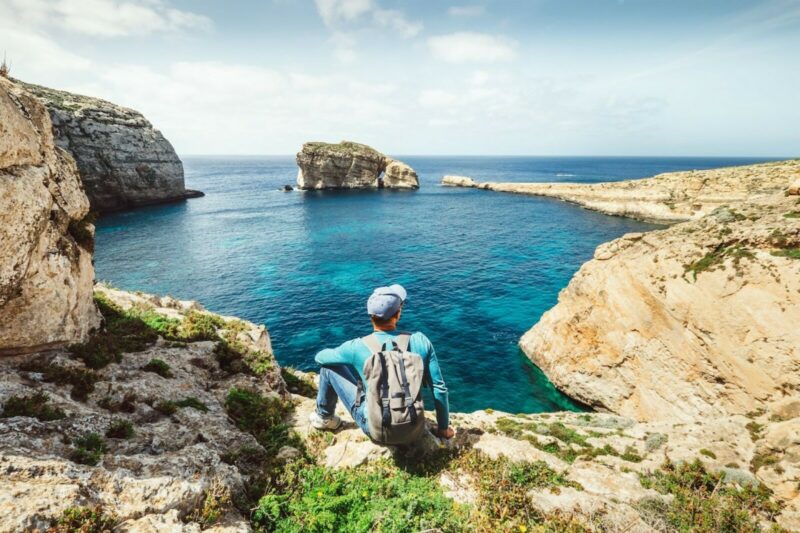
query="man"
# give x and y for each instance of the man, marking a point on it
(338, 381)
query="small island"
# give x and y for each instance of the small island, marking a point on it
(350, 165)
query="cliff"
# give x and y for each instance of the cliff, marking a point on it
(350, 165)
(123, 161)
(46, 241)
(668, 197)
(698, 320)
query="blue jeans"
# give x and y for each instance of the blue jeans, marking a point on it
(340, 382)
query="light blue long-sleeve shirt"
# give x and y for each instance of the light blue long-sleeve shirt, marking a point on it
(356, 353)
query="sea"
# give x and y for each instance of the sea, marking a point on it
(480, 267)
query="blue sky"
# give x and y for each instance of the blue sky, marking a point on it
(535, 77)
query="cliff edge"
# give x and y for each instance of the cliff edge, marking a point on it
(123, 161)
(668, 197)
(46, 241)
(350, 165)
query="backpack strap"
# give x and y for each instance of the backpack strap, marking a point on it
(372, 343)
(387, 415)
(412, 413)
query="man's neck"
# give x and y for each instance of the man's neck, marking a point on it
(385, 329)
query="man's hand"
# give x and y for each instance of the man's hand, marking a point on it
(444, 433)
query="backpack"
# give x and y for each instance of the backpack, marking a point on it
(394, 376)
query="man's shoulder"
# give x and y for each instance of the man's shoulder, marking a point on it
(419, 340)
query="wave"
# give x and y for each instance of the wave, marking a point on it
(564, 175)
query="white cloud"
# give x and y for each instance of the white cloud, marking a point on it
(344, 47)
(335, 11)
(102, 18)
(338, 13)
(466, 11)
(471, 47)
(391, 18)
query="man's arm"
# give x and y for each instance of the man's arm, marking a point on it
(440, 399)
(343, 355)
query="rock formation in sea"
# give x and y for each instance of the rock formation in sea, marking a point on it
(668, 197)
(123, 161)
(46, 241)
(350, 165)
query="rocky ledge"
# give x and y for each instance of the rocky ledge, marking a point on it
(123, 161)
(668, 197)
(172, 418)
(350, 165)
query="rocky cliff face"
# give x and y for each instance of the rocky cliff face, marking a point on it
(350, 165)
(123, 161)
(669, 197)
(46, 271)
(695, 321)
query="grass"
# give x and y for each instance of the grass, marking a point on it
(755, 429)
(298, 385)
(717, 257)
(158, 366)
(234, 356)
(792, 214)
(166, 407)
(703, 502)
(791, 253)
(708, 453)
(35, 405)
(261, 416)
(120, 429)
(763, 458)
(192, 402)
(216, 501)
(88, 449)
(81, 380)
(84, 520)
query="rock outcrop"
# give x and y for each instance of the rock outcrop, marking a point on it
(350, 165)
(123, 161)
(46, 271)
(668, 197)
(698, 320)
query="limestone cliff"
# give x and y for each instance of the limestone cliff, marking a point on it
(698, 320)
(668, 197)
(46, 271)
(123, 161)
(350, 165)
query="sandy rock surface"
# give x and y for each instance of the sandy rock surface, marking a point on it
(668, 197)
(46, 272)
(349, 165)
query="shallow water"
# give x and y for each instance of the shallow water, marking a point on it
(480, 267)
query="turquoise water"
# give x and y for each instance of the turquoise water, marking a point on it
(480, 267)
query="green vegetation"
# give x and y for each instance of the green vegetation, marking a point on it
(88, 449)
(791, 253)
(197, 326)
(298, 385)
(792, 214)
(81, 379)
(34, 405)
(81, 230)
(234, 356)
(158, 366)
(126, 405)
(755, 429)
(192, 402)
(166, 407)
(84, 520)
(216, 501)
(708, 453)
(120, 429)
(703, 502)
(263, 417)
(716, 257)
(763, 458)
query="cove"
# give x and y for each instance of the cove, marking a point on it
(480, 267)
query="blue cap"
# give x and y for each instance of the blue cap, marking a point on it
(385, 301)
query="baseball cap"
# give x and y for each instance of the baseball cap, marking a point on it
(385, 301)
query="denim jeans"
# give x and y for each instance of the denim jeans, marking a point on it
(340, 382)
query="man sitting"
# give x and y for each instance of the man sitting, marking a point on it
(384, 394)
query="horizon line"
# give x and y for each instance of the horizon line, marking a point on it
(771, 157)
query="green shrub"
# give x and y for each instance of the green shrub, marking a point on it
(192, 402)
(158, 366)
(166, 407)
(120, 429)
(262, 416)
(298, 385)
(198, 326)
(702, 501)
(373, 498)
(88, 449)
(216, 500)
(234, 356)
(81, 380)
(85, 520)
(35, 406)
(708, 453)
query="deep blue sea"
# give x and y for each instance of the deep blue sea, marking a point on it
(480, 267)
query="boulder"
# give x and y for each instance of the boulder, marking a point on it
(123, 161)
(350, 165)
(458, 181)
(46, 241)
(695, 321)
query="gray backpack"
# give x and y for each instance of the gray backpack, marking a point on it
(395, 410)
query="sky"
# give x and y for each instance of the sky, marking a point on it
(502, 77)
